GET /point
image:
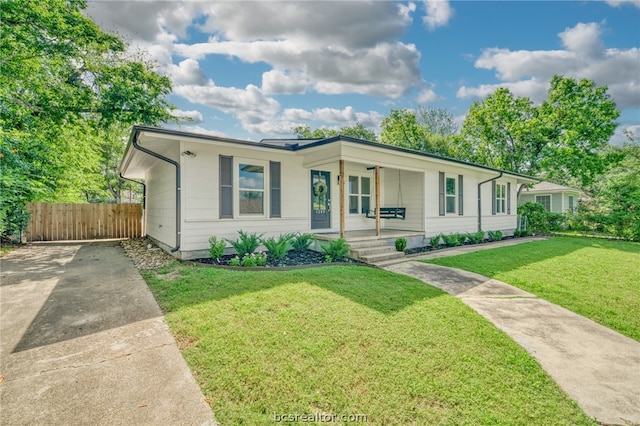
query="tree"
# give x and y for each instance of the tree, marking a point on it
(563, 139)
(63, 83)
(358, 131)
(578, 120)
(501, 132)
(428, 130)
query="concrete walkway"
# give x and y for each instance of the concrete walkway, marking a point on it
(597, 367)
(83, 342)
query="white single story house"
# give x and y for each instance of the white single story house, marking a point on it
(198, 186)
(554, 198)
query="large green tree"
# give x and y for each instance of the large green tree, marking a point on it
(357, 131)
(427, 129)
(63, 84)
(564, 139)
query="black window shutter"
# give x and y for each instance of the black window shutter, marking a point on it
(493, 197)
(508, 197)
(441, 191)
(460, 195)
(275, 187)
(226, 187)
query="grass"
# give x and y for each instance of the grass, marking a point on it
(599, 279)
(350, 340)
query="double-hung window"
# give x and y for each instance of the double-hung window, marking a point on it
(501, 198)
(451, 194)
(250, 189)
(359, 194)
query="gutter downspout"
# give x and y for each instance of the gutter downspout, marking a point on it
(480, 199)
(134, 142)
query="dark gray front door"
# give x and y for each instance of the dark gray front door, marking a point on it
(320, 199)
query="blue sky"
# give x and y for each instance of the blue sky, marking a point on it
(253, 70)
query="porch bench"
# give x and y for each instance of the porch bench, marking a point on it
(388, 213)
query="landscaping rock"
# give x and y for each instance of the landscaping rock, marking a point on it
(145, 254)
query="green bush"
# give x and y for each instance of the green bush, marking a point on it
(277, 248)
(246, 243)
(494, 235)
(536, 216)
(335, 250)
(475, 238)
(254, 259)
(434, 241)
(216, 248)
(302, 242)
(453, 240)
(401, 244)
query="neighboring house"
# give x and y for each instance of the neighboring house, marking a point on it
(198, 186)
(554, 198)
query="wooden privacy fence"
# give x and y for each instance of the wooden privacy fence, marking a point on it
(57, 222)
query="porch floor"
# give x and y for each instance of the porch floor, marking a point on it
(369, 234)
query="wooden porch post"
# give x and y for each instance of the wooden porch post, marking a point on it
(342, 222)
(378, 201)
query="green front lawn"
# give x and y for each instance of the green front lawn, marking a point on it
(599, 279)
(346, 340)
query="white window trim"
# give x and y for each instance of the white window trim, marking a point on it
(505, 198)
(455, 195)
(545, 195)
(359, 194)
(266, 184)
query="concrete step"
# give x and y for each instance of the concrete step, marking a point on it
(368, 251)
(360, 244)
(375, 258)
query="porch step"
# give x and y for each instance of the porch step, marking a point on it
(374, 251)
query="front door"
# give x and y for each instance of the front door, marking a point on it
(320, 199)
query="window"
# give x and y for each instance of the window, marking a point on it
(450, 194)
(571, 204)
(501, 198)
(251, 189)
(545, 200)
(359, 194)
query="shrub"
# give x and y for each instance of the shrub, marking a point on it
(453, 240)
(335, 250)
(246, 243)
(277, 248)
(536, 216)
(301, 242)
(494, 235)
(556, 221)
(216, 248)
(435, 241)
(517, 233)
(235, 261)
(401, 244)
(475, 238)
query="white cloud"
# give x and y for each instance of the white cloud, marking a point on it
(528, 73)
(202, 131)
(618, 3)
(296, 114)
(427, 95)
(188, 72)
(192, 116)
(439, 12)
(283, 82)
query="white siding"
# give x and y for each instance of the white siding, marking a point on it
(160, 210)
(201, 205)
(412, 188)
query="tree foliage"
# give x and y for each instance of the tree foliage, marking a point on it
(563, 139)
(358, 131)
(429, 129)
(65, 88)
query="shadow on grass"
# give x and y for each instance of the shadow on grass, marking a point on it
(376, 289)
(504, 259)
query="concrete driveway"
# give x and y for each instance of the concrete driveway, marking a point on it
(596, 366)
(83, 342)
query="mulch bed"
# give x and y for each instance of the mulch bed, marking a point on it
(293, 258)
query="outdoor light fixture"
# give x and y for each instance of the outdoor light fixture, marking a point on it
(188, 154)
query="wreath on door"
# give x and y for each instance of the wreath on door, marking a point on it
(319, 188)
